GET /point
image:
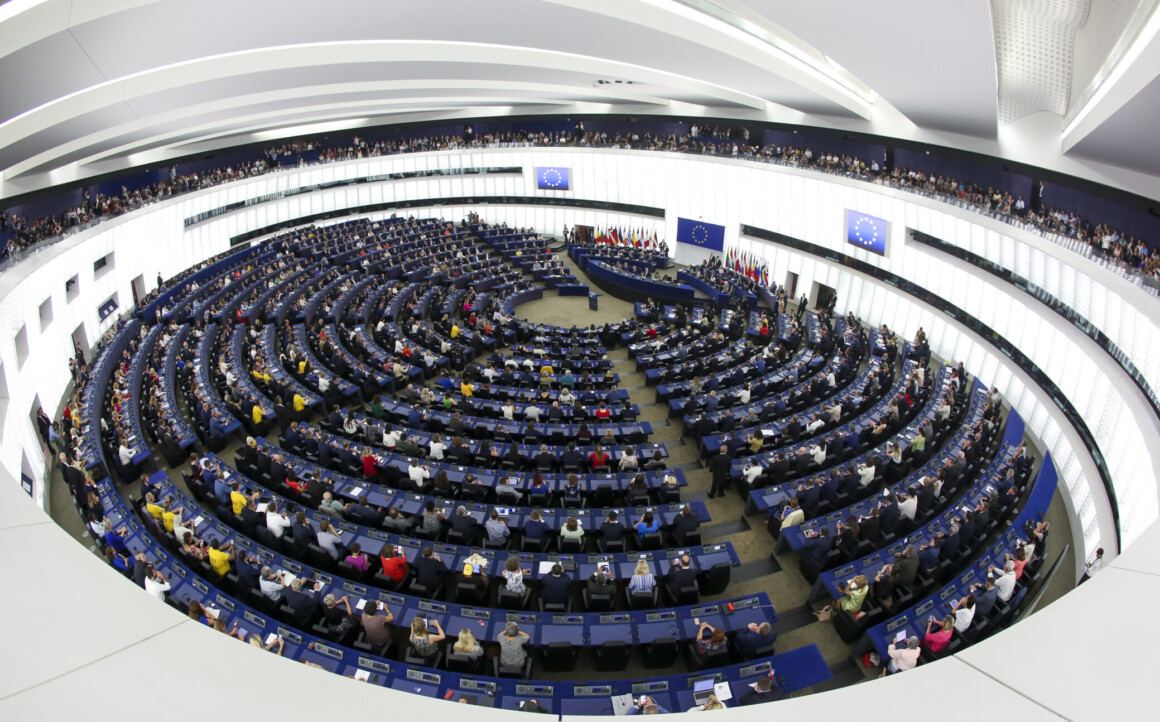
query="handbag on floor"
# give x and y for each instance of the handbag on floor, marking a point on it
(825, 614)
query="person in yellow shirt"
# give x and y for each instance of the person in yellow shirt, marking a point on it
(454, 331)
(168, 515)
(260, 375)
(238, 499)
(256, 413)
(547, 370)
(299, 403)
(302, 367)
(466, 389)
(219, 559)
(153, 507)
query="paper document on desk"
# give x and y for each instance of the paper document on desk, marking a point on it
(546, 567)
(362, 675)
(287, 577)
(621, 703)
(270, 638)
(722, 691)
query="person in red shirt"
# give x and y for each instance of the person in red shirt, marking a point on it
(651, 332)
(602, 413)
(369, 469)
(394, 565)
(598, 457)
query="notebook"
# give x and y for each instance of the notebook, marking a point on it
(621, 703)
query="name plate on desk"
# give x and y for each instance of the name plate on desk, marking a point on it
(900, 622)
(413, 543)
(676, 553)
(835, 516)
(324, 579)
(161, 555)
(199, 586)
(693, 679)
(432, 607)
(376, 534)
(329, 651)
(266, 555)
(244, 544)
(660, 616)
(420, 676)
(924, 608)
(535, 690)
(254, 619)
(589, 690)
(710, 548)
(967, 577)
(646, 687)
(597, 558)
(872, 560)
(567, 619)
(476, 685)
(225, 603)
(754, 670)
(520, 617)
(180, 572)
(374, 664)
(844, 571)
(948, 592)
(354, 589)
(746, 603)
(388, 598)
(707, 609)
(615, 618)
(292, 637)
(475, 613)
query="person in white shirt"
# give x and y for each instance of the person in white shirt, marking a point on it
(814, 426)
(509, 411)
(437, 448)
(836, 412)
(866, 473)
(818, 451)
(903, 659)
(323, 384)
(907, 506)
(156, 584)
(276, 522)
(418, 474)
(125, 454)
(831, 380)
(532, 413)
(1093, 567)
(751, 472)
(489, 373)
(1005, 581)
(744, 394)
(964, 610)
(566, 396)
(390, 438)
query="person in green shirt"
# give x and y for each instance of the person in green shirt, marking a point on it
(855, 594)
(918, 443)
(377, 408)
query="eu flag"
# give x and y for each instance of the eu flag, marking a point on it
(551, 178)
(701, 234)
(866, 232)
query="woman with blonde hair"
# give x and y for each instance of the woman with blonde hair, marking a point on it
(466, 645)
(642, 578)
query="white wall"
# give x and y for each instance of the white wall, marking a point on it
(798, 203)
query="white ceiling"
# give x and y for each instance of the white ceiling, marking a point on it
(95, 85)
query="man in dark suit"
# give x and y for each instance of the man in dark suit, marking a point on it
(817, 548)
(985, 597)
(544, 460)
(685, 524)
(556, 587)
(722, 466)
(304, 603)
(429, 568)
(612, 530)
(282, 415)
(681, 575)
(760, 691)
(756, 637)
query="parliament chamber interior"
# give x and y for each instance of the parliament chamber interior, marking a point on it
(659, 365)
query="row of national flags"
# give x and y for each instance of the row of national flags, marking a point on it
(749, 265)
(629, 237)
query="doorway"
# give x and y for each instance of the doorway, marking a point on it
(791, 280)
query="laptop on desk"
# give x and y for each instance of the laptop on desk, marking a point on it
(702, 689)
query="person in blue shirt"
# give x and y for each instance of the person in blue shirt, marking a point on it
(647, 525)
(928, 555)
(535, 527)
